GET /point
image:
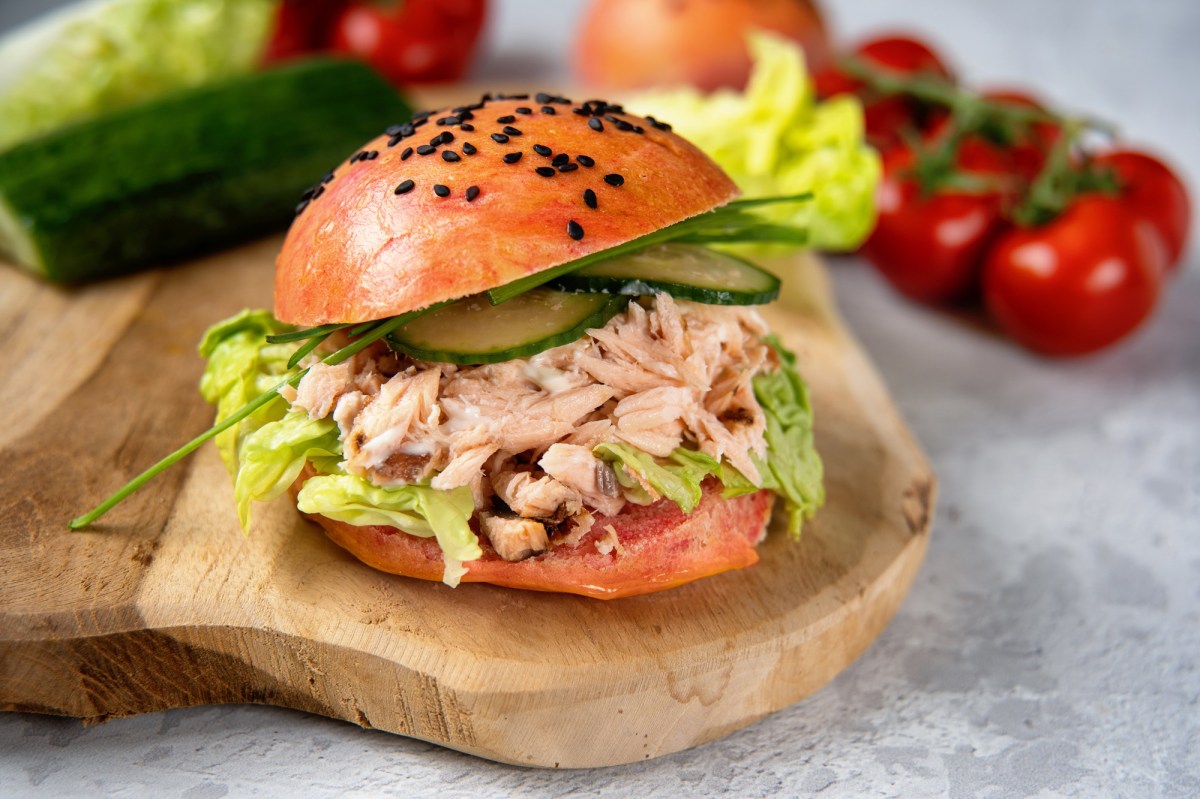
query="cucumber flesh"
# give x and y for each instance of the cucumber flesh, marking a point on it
(687, 271)
(473, 331)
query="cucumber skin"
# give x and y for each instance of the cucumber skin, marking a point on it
(191, 173)
(637, 287)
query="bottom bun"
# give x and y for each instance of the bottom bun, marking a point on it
(659, 547)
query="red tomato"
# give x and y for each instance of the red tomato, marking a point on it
(930, 248)
(1077, 284)
(886, 117)
(416, 41)
(1154, 193)
(302, 27)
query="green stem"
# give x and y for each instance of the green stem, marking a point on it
(350, 350)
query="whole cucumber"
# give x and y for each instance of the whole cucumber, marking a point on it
(187, 174)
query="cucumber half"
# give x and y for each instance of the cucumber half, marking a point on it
(473, 331)
(687, 271)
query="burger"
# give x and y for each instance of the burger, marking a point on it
(509, 346)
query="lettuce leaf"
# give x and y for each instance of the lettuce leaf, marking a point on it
(241, 366)
(108, 54)
(418, 510)
(271, 458)
(793, 466)
(774, 139)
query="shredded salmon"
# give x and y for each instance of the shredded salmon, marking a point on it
(658, 376)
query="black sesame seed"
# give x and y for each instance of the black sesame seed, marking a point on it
(441, 191)
(567, 167)
(589, 198)
(393, 130)
(507, 118)
(444, 121)
(595, 124)
(512, 158)
(416, 123)
(524, 110)
(614, 179)
(499, 138)
(465, 114)
(657, 124)
(542, 149)
(320, 190)
(451, 156)
(407, 130)
(328, 176)
(574, 230)
(542, 97)
(466, 127)
(445, 137)
(354, 159)
(300, 206)
(560, 159)
(548, 110)
(371, 155)
(585, 160)
(545, 171)
(560, 100)
(469, 149)
(583, 112)
(405, 187)
(407, 152)
(611, 118)
(472, 193)
(421, 115)
(511, 131)
(623, 125)
(425, 149)
(512, 96)
(392, 142)
(638, 129)
(308, 193)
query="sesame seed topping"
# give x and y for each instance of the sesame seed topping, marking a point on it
(512, 96)
(421, 115)
(466, 127)
(393, 130)
(574, 230)
(548, 110)
(451, 156)
(407, 152)
(392, 142)
(464, 113)
(589, 198)
(657, 124)
(507, 118)
(542, 149)
(512, 158)
(371, 155)
(416, 123)
(614, 179)
(545, 171)
(623, 125)
(567, 167)
(441, 191)
(542, 97)
(425, 149)
(585, 160)
(524, 110)
(300, 206)
(499, 138)
(328, 177)
(472, 193)
(445, 137)
(560, 159)
(511, 131)
(444, 121)
(469, 149)
(320, 190)
(405, 187)
(595, 124)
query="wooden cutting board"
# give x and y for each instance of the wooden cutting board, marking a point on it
(167, 604)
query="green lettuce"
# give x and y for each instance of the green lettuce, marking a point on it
(109, 54)
(793, 468)
(241, 366)
(271, 458)
(418, 510)
(774, 139)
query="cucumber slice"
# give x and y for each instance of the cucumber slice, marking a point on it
(687, 271)
(473, 331)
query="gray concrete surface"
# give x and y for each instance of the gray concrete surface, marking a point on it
(1050, 645)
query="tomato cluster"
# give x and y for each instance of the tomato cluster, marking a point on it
(990, 197)
(406, 41)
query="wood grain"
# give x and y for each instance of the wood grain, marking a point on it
(166, 603)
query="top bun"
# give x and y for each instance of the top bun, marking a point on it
(465, 200)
